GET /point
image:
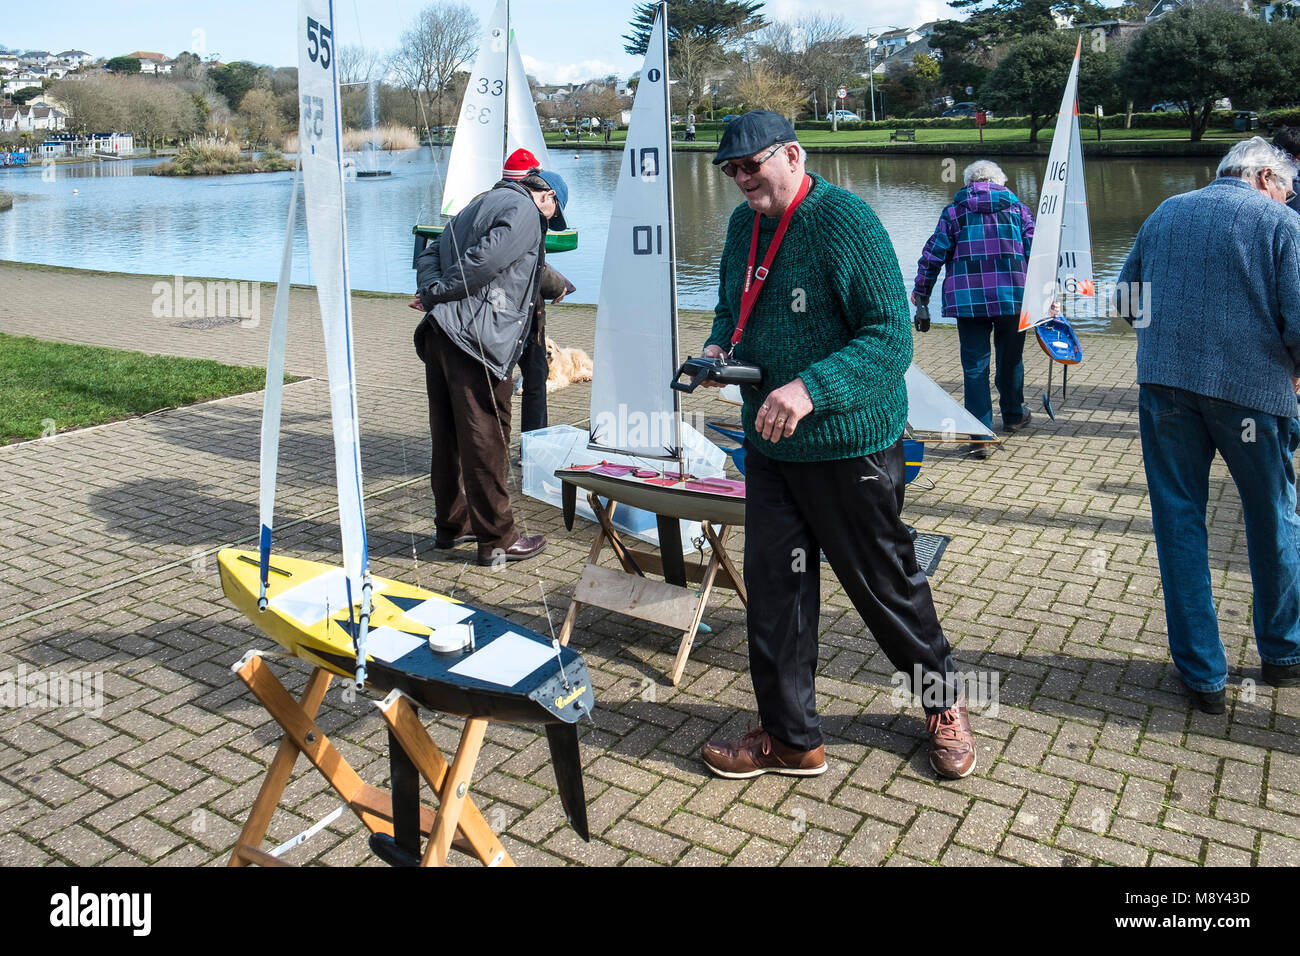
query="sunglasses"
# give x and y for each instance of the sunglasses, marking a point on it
(749, 166)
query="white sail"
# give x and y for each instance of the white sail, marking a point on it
(1040, 276)
(271, 401)
(523, 131)
(1074, 271)
(633, 410)
(934, 415)
(475, 164)
(320, 139)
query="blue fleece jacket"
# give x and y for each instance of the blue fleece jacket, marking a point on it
(1222, 317)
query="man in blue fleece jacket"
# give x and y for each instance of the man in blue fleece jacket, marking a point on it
(1218, 329)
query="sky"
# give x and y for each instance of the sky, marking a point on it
(562, 41)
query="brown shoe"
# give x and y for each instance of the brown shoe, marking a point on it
(521, 550)
(757, 753)
(952, 746)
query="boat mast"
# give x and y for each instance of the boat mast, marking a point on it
(672, 240)
(505, 98)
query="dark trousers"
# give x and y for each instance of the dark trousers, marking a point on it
(469, 422)
(1008, 349)
(532, 405)
(850, 510)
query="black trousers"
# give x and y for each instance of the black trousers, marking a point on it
(535, 368)
(850, 509)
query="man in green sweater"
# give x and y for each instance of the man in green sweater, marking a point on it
(824, 315)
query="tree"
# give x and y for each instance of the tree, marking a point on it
(23, 96)
(123, 64)
(260, 115)
(188, 66)
(714, 21)
(1195, 56)
(434, 49)
(702, 35)
(234, 80)
(358, 64)
(760, 88)
(1031, 79)
(911, 87)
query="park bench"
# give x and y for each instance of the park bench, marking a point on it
(903, 134)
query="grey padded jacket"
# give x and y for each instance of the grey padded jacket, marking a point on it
(479, 280)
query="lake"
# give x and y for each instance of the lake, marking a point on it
(116, 217)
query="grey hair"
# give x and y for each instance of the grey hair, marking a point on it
(984, 170)
(1250, 157)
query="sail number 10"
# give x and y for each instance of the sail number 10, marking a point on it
(318, 43)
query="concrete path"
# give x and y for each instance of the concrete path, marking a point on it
(1050, 585)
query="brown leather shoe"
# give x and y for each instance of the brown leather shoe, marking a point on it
(952, 746)
(757, 753)
(521, 550)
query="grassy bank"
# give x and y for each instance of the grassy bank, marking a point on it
(219, 159)
(1002, 140)
(48, 387)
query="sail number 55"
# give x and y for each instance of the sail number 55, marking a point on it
(318, 43)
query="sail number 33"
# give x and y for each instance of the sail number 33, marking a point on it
(318, 43)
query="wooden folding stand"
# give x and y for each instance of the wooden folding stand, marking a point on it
(670, 602)
(396, 819)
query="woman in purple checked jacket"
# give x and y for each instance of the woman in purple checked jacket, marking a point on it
(983, 238)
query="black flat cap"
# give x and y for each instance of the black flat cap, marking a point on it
(754, 131)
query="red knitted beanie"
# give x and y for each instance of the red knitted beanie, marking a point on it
(517, 166)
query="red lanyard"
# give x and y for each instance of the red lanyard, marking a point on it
(754, 279)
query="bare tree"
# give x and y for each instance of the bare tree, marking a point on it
(438, 45)
(819, 51)
(756, 87)
(359, 64)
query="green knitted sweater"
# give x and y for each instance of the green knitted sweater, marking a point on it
(833, 312)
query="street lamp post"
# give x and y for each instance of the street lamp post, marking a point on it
(871, 72)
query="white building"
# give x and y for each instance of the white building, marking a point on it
(152, 63)
(23, 119)
(75, 58)
(22, 80)
(110, 143)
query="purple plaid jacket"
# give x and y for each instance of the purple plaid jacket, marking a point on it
(983, 237)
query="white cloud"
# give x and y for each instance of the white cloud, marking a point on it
(551, 72)
(902, 13)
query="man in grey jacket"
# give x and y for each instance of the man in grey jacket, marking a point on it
(1218, 357)
(478, 285)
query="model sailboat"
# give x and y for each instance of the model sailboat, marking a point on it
(496, 118)
(634, 412)
(1060, 262)
(448, 656)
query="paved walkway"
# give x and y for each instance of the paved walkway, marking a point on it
(1050, 583)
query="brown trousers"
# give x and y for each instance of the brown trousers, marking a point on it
(469, 422)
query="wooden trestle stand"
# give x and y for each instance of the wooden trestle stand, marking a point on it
(396, 820)
(669, 602)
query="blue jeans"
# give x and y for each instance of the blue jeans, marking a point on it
(1181, 431)
(1008, 347)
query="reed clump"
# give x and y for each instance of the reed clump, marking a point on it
(220, 158)
(389, 136)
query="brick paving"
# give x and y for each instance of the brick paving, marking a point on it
(1050, 582)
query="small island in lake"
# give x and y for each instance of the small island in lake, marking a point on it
(219, 159)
